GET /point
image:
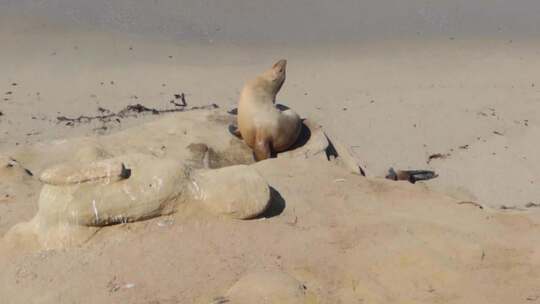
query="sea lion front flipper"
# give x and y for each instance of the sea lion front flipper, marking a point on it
(262, 149)
(234, 130)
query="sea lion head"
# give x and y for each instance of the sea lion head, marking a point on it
(276, 75)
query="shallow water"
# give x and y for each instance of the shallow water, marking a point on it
(281, 21)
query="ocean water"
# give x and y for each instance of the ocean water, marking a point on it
(293, 22)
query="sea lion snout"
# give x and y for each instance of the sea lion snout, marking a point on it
(278, 70)
(277, 75)
(280, 64)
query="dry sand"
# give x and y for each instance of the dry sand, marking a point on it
(353, 240)
(440, 86)
(395, 103)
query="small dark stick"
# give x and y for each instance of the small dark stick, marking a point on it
(182, 98)
(437, 156)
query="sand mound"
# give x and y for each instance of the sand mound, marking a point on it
(265, 287)
(339, 237)
(94, 183)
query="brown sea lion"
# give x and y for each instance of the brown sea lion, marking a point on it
(265, 128)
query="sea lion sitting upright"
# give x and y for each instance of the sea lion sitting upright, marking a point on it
(265, 128)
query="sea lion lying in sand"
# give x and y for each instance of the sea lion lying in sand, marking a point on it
(122, 179)
(78, 198)
(265, 128)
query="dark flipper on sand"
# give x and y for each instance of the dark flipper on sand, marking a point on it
(411, 175)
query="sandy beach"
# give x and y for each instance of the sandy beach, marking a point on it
(452, 88)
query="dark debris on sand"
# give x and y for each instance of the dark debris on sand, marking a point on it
(412, 176)
(437, 156)
(132, 110)
(179, 97)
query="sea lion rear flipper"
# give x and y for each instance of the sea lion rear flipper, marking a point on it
(262, 149)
